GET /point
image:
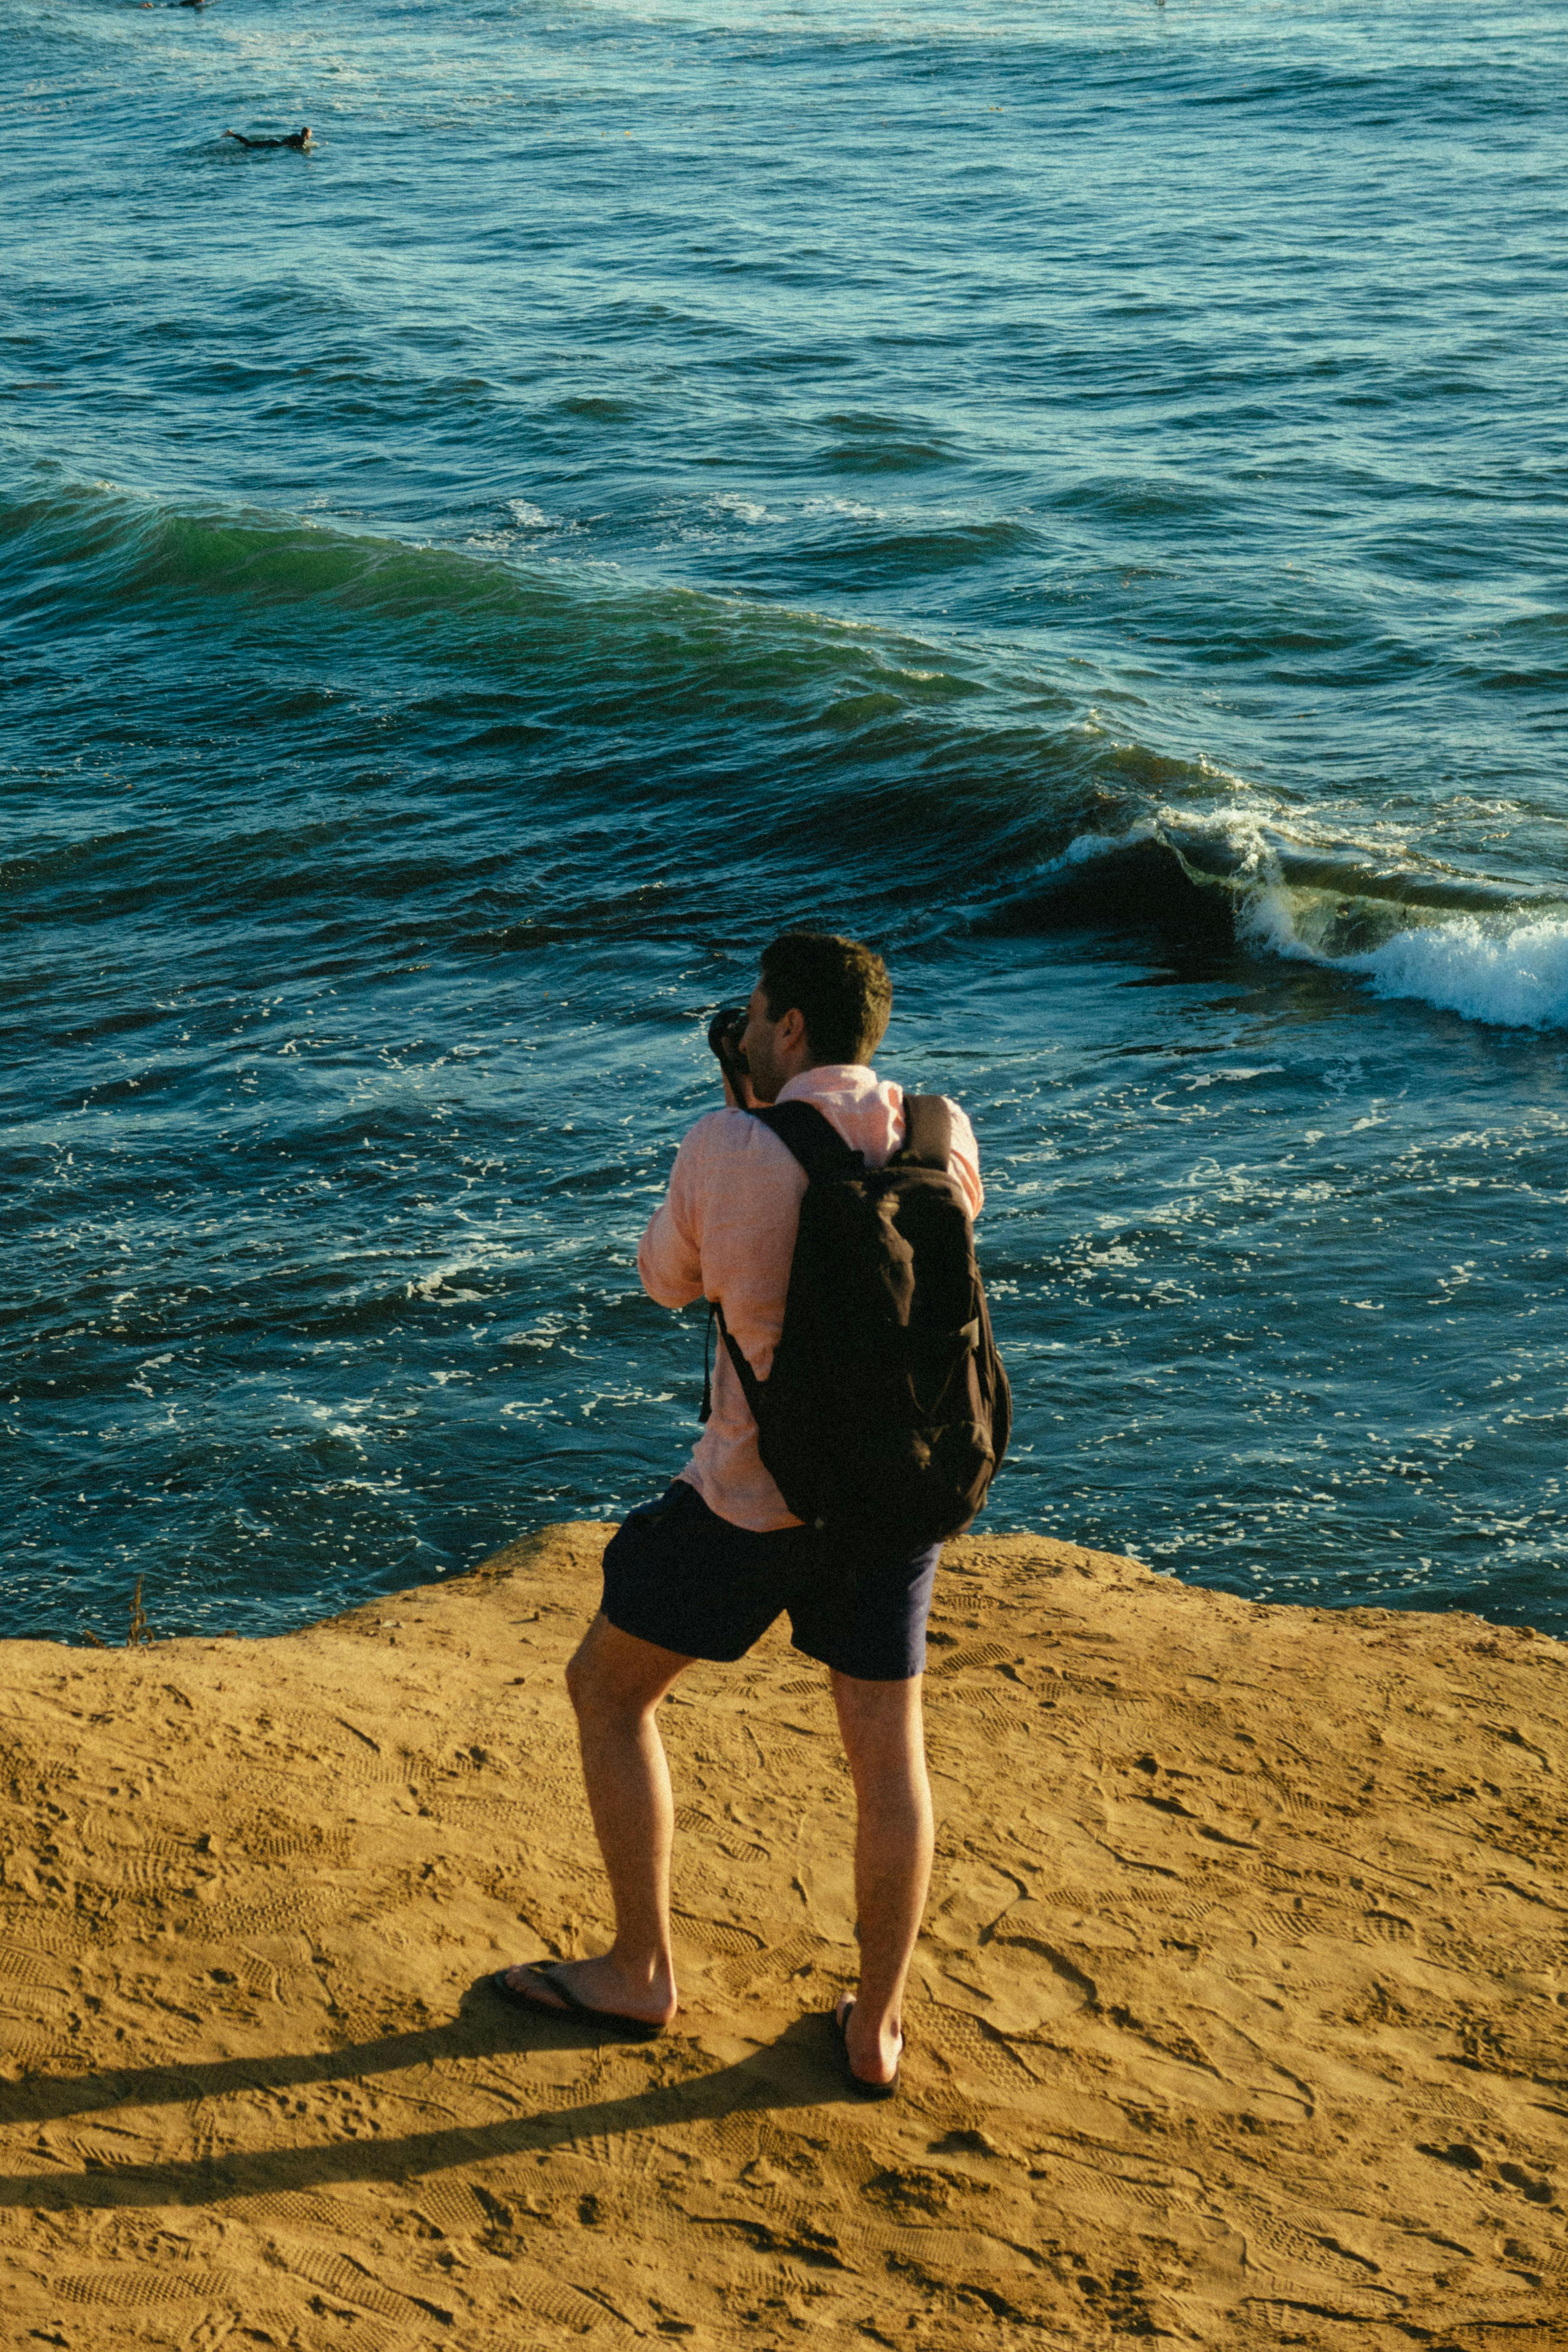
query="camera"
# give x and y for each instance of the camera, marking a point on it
(724, 1034)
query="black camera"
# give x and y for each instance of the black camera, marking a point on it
(724, 1034)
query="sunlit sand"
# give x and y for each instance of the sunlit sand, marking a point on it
(1239, 2016)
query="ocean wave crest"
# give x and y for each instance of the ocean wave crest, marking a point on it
(1513, 975)
(1488, 950)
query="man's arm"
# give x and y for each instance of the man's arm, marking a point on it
(963, 1159)
(669, 1257)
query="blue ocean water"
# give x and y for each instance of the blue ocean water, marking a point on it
(1074, 494)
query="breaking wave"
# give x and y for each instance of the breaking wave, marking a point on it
(1509, 972)
(1465, 943)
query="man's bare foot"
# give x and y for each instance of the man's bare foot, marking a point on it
(873, 2055)
(599, 1987)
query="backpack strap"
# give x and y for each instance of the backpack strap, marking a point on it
(751, 1387)
(928, 1133)
(814, 1140)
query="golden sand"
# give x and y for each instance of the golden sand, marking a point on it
(1239, 2019)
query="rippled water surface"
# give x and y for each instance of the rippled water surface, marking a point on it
(1076, 496)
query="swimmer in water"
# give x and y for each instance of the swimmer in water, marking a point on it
(300, 139)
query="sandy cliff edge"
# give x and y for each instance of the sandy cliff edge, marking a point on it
(1239, 2019)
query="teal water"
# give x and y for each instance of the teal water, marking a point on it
(1075, 495)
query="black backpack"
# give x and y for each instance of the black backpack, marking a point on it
(886, 1410)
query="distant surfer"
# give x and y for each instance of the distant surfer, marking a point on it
(300, 139)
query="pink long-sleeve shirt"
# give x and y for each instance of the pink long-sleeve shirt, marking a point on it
(726, 1230)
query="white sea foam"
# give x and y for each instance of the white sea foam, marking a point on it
(1516, 977)
(1086, 847)
(1510, 969)
(746, 511)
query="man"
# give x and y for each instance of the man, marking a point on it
(300, 139)
(703, 1572)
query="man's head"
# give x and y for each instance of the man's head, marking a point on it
(819, 999)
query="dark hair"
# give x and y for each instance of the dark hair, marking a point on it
(840, 988)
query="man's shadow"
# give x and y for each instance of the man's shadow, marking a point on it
(798, 2070)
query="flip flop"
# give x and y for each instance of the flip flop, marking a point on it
(857, 2082)
(570, 2004)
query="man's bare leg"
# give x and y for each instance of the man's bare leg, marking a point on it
(883, 1730)
(615, 1682)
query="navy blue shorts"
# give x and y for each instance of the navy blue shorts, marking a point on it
(677, 1575)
